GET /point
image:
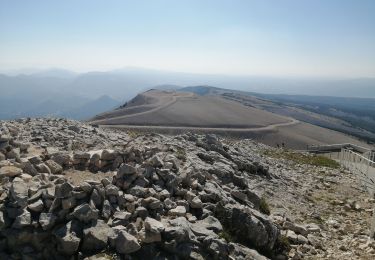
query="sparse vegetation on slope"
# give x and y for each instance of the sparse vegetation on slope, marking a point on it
(302, 158)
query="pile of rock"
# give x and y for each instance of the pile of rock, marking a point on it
(187, 196)
(48, 217)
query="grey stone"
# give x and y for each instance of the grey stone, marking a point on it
(86, 187)
(106, 210)
(22, 220)
(10, 171)
(156, 161)
(36, 206)
(47, 220)
(96, 198)
(63, 190)
(126, 169)
(96, 237)
(299, 229)
(68, 203)
(67, 238)
(178, 211)
(54, 167)
(126, 243)
(196, 203)
(141, 212)
(2, 220)
(43, 168)
(111, 190)
(108, 155)
(153, 225)
(249, 225)
(29, 168)
(62, 159)
(211, 223)
(19, 192)
(2, 157)
(85, 213)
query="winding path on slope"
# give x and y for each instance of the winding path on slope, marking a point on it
(251, 129)
(104, 122)
(174, 99)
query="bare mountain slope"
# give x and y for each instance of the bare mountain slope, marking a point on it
(170, 108)
(222, 111)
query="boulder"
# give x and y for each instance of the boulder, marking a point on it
(178, 211)
(126, 243)
(106, 210)
(54, 167)
(248, 226)
(63, 190)
(22, 220)
(36, 206)
(47, 220)
(126, 169)
(43, 168)
(28, 167)
(2, 220)
(67, 238)
(63, 159)
(19, 192)
(156, 161)
(68, 203)
(85, 213)
(299, 229)
(96, 237)
(211, 223)
(2, 157)
(96, 198)
(238, 251)
(10, 171)
(108, 155)
(153, 225)
(111, 190)
(13, 154)
(196, 203)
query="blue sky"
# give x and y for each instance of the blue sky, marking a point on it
(318, 38)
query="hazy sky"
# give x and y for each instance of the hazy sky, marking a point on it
(280, 37)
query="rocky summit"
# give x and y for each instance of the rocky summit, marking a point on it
(73, 191)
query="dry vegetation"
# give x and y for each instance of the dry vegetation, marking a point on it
(301, 158)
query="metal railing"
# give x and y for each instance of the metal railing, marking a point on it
(338, 147)
(358, 160)
(363, 167)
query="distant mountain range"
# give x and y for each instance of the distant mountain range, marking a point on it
(57, 92)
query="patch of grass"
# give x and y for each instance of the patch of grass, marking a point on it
(133, 134)
(316, 160)
(283, 244)
(225, 235)
(181, 154)
(264, 207)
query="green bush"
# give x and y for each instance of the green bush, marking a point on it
(181, 154)
(225, 235)
(264, 207)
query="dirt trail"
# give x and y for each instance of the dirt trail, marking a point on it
(253, 129)
(174, 99)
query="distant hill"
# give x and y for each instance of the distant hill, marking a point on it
(230, 112)
(181, 109)
(94, 107)
(354, 116)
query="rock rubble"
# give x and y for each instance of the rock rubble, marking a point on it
(174, 197)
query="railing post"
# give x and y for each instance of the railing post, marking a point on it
(372, 230)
